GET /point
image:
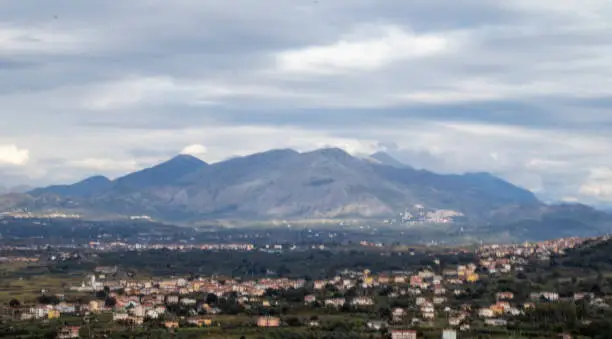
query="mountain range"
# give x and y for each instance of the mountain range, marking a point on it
(285, 184)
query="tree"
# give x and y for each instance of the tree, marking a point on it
(294, 322)
(14, 303)
(212, 299)
(110, 302)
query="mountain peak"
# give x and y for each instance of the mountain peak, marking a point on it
(165, 173)
(333, 152)
(84, 188)
(184, 158)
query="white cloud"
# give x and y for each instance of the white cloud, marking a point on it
(195, 150)
(598, 184)
(43, 40)
(368, 53)
(103, 164)
(12, 155)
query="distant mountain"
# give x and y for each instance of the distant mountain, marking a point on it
(86, 188)
(163, 174)
(564, 220)
(282, 184)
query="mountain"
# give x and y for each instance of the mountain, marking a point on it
(282, 184)
(88, 187)
(163, 174)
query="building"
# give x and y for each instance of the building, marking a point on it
(200, 322)
(171, 324)
(377, 325)
(94, 306)
(309, 299)
(496, 322)
(337, 302)
(449, 334)
(69, 332)
(268, 322)
(403, 334)
(362, 301)
(505, 296)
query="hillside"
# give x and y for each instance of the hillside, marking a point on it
(280, 184)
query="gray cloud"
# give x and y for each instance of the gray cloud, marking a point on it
(520, 88)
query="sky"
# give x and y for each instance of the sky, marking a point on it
(521, 89)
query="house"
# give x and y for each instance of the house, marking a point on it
(120, 316)
(439, 300)
(309, 299)
(152, 314)
(582, 296)
(138, 311)
(188, 301)
(94, 306)
(429, 315)
(135, 321)
(376, 325)
(496, 322)
(200, 322)
(171, 324)
(336, 302)
(172, 299)
(314, 323)
(68, 332)
(449, 334)
(362, 301)
(319, 284)
(439, 291)
(455, 321)
(513, 311)
(473, 277)
(383, 279)
(403, 334)
(504, 296)
(398, 313)
(268, 322)
(53, 314)
(486, 313)
(66, 308)
(548, 296)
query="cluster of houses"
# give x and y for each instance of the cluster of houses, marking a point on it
(432, 292)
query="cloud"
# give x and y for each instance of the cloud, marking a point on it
(195, 150)
(598, 184)
(390, 44)
(518, 88)
(27, 40)
(101, 164)
(10, 154)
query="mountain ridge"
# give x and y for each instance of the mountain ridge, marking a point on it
(282, 183)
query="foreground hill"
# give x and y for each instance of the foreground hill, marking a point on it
(280, 184)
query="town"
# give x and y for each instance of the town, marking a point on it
(438, 299)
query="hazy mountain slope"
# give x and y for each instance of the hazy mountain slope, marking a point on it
(166, 173)
(86, 188)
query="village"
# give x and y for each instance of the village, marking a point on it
(397, 303)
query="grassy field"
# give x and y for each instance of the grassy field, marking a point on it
(25, 282)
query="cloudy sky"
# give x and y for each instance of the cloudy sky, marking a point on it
(519, 88)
